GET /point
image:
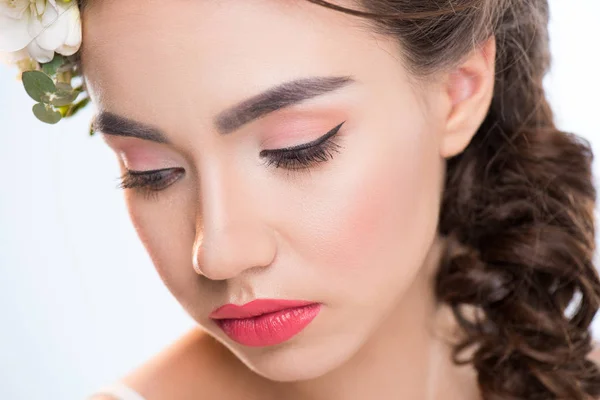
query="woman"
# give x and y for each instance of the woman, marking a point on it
(390, 167)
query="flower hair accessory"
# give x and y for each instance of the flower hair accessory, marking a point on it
(42, 38)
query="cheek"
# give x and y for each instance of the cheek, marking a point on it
(166, 230)
(382, 215)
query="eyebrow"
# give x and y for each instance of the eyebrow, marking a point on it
(233, 118)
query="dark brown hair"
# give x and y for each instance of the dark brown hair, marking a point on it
(518, 204)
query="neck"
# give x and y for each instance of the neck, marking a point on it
(406, 358)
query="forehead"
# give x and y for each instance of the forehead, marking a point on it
(152, 57)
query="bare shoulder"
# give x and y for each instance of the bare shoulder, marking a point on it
(195, 366)
(171, 372)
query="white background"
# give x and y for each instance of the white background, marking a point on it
(80, 302)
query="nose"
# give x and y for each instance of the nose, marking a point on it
(231, 233)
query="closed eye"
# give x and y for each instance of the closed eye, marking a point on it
(304, 155)
(150, 182)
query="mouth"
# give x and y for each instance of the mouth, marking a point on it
(256, 308)
(265, 322)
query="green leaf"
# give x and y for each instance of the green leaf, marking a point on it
(63, 87)
(46, 114)
(65, 95)
(64, 99)
(51, 67)
(37, 84)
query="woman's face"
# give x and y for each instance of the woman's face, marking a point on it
(230, 224)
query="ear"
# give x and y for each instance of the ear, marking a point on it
(468, 89)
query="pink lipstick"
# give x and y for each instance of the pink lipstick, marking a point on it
(265, 322)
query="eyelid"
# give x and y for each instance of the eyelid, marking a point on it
(138, 155)
(149, 171)
(303, 146)
(150, 182)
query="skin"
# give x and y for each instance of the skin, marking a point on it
(357, 233)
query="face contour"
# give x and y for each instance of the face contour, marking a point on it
(229, 224)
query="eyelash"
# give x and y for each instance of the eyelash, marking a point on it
(301, 157)
(150, 183)
(306, 155)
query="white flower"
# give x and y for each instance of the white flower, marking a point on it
(41, 27)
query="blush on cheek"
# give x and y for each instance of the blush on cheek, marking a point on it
(376, 214)
(384, 211)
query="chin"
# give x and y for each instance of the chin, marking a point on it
(296, 360)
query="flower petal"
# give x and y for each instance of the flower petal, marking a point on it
(51, 15)
(40, 54)
(56, 28)
(74, 37)
(54, 35)
(40, 6)
(14, 34)
(34, 27)
(14, 9)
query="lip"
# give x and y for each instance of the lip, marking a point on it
(256, 308)
(265, 322)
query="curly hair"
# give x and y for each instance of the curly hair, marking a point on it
(518, 205)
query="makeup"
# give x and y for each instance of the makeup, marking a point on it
(265, 322)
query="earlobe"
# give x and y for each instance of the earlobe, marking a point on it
(469, 88)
